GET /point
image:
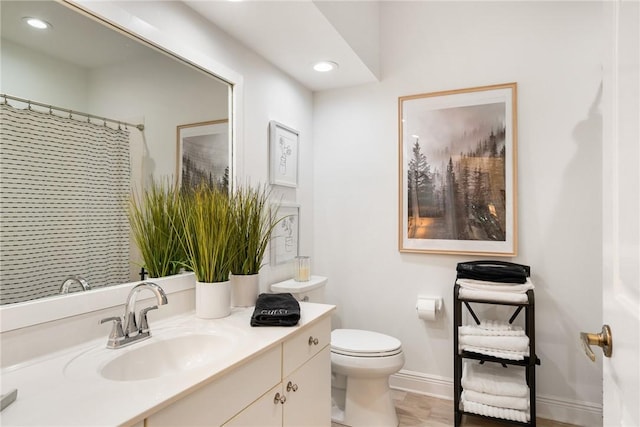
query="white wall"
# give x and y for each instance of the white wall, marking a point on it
(162, 94)
(552, 50)
(37, 77)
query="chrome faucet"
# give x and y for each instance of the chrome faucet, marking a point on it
(129, 332)
(64, 288)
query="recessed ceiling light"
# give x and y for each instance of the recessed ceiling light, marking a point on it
(37, 23)
(324, 66)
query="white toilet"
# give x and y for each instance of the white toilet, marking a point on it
(361, 363)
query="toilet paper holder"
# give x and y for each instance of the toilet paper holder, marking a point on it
(428, 308)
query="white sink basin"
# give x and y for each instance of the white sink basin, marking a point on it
(165, 357)
(166, 354)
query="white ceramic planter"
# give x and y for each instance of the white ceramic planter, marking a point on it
(244, 289)
(213, 300)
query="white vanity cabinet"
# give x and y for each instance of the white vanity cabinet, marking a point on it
(308, 393)
(310, 403)
(289, 385)
(217, 402)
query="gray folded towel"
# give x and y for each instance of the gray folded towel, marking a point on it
(276, 310)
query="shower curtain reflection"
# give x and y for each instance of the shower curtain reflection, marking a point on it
(65, 186)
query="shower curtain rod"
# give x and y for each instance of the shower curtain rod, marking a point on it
(140, 127)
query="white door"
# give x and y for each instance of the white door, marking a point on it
(621, 212)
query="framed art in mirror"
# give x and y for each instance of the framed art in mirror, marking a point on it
(457, 171)
(285, 236)
(204, 154)
(283, 155)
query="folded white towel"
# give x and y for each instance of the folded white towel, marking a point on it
(511, 402)
(482, 285)
(510, 343)
(473, 294)
(496, 325)
(492, 411)
(503, 354)
(494, 379)
(479, 330)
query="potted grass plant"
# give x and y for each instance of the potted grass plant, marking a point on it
(253, 223)
(207, 224)
(152, 215)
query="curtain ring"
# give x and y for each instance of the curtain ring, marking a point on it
(29, 105)
(50, 110)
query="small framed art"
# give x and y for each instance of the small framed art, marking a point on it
(285, 235)
(283, 155)
(204, 154)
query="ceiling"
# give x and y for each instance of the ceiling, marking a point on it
(293, 35)
(73, 37)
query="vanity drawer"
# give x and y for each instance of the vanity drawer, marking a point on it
(305, 344)
(217, 402)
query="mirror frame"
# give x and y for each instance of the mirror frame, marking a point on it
(30, 313)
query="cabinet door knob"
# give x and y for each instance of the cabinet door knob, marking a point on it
(279, 399)
(292, 387)
(313, 341)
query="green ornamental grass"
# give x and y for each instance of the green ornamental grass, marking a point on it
(207, 223)
(253, 224)
(152, 216)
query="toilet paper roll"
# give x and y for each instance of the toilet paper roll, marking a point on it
(428, 308)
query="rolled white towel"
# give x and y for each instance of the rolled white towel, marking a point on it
(479, 330)
(493, 411)
(511, 402)
(503, 354)
(494, 379)
(481, 285)
(473, 294)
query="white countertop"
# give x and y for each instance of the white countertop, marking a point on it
(49, 395)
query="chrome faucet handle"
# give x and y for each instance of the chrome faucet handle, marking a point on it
(117, 334)
(132, 326)
(144, 323)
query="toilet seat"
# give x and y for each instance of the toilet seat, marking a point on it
(359, 343)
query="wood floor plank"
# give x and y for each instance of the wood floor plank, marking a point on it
(416, 410)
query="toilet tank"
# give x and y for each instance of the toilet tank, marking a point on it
(309, 291)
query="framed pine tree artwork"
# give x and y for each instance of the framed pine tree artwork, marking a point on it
(457, 171)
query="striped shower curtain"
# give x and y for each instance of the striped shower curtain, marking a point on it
(64, 186)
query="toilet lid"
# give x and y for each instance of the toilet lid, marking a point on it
(355, 342)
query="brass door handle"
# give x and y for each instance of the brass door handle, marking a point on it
(602, 339)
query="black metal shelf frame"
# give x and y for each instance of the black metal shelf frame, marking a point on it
(529, 362)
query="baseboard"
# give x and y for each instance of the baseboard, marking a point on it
(569, 411)
(417, 382)
(549, 407)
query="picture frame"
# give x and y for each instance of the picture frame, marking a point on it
(283, 155)
(457, 171)
(204, 153)
(284, 244)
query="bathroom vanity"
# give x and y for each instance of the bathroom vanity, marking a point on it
(190, 372)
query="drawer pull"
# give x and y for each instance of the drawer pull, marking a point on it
(313, 341)
(279, 399)
(292, 387)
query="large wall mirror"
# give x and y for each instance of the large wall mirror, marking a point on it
(83, 65)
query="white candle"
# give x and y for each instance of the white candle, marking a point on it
(302, 269)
